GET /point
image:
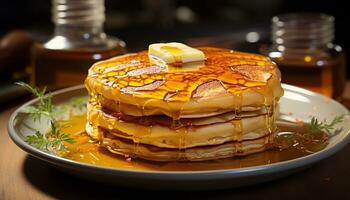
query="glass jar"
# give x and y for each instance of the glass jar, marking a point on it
(78, 42)
(303, 48)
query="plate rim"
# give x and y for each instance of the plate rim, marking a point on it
(179, 175)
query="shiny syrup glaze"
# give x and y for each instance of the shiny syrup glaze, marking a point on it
(87, 151)
(136, 74)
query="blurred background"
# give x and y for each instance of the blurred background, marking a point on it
(236, 24)
(140, 22)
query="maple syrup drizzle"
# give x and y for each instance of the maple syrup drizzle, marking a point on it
(237, 122)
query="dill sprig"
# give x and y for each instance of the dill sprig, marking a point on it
(316, 126)
(38, 140)
(44, 106)
(54, 140)
(315, 135)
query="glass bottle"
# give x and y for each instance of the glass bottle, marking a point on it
(303, 48)
(78, 42)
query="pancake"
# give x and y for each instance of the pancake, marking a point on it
(160, 132)
(129, 149)
(148, 111)
(176, 103)
(226, 81)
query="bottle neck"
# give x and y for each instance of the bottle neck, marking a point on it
(302, 31)
(75, 33)
(78, 24)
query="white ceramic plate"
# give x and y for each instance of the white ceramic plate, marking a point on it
(297, 103)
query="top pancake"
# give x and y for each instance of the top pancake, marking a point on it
(227, 80)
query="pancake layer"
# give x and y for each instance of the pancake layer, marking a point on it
(127, 148)
(161, 132)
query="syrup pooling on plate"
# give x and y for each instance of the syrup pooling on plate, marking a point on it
(89, 151)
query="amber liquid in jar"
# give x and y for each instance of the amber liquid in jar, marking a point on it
(78, 42)
(321, 75)
(303, 50)
(62, 68)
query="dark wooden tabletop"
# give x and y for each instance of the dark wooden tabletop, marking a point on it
(25, 177)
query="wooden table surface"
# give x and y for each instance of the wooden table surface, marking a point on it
(25, 177)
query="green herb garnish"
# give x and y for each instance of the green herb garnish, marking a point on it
(54, 140)
(313, 135)
(316, 126)
(43, 108)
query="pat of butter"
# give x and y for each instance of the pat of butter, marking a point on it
(174, 52)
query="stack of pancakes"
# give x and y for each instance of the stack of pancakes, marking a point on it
(222, 107)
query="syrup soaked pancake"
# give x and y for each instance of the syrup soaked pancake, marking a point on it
(226, 81)
(160, 131)
(127, 148)
(215, 103)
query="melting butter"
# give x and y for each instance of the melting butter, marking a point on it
(174, 52)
